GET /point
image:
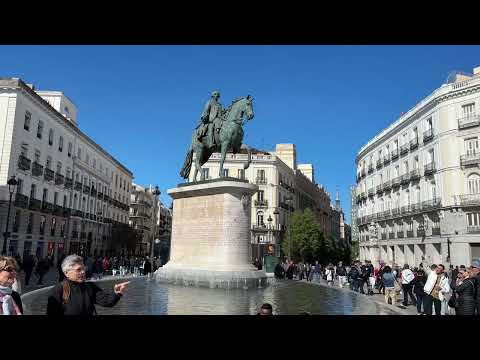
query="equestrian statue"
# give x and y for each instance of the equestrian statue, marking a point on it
(218, 130)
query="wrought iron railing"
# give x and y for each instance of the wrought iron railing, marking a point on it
(48, 174)
(24, 163)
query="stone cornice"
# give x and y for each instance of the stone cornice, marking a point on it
(442, 94)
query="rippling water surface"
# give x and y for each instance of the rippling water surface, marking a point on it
(287, 298)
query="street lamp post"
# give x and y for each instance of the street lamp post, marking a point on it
(155, 193)
(12, 183)
(99, 214)
(289, 200)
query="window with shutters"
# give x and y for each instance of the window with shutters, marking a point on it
(40, 129)
(471, 146)
(60, 144)
(50, 137)
(28, 119)
(474, 184)
(468, 110)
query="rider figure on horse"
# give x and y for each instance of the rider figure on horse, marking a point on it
(211, 119)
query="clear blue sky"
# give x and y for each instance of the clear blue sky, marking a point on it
(141, 102)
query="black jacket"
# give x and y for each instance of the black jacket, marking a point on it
(341, 271)
(465, 293)
(147, 267)
(354, 274)
(418, 283)
(83, 297)
(18, 301)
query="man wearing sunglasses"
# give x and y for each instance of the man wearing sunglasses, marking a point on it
(10, 302)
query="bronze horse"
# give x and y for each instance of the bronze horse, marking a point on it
(229, 137)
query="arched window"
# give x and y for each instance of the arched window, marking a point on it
(474, 184)
(260, 218)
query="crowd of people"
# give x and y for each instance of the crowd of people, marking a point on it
(432, 289)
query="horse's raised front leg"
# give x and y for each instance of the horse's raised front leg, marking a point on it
(222, 160)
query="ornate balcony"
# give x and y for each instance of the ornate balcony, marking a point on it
(379, 163)
(429, 169)
(370, 168)
(383, 236)
(379, 189)
(100, 195)
(431, 204)
(470, 159)
(86, 189)
(363, 195)
(47, 207)
(396, 182)
(395, 212)
(24, 163)
(409, 233)
(261, 203)
(386, 160)
(57, 210)
(77, 213)
(387, 185)
(415, 207)
(394, 154)
(260, 228)
(436, 231)
(21, 201)
(414, 175)
(469, 121)
(391, 235)
(139, 214)
(404, 149)
(405, 209)
(37, 169)
(414, 144)
(59, 179)
(67, 212)
(68, 183)
(386, 214)
(48, 175)
(78, 186)
(260, 181)
(400, 234)
(473, 229)
(35, 204)
(427, 135)
(405, 179)
(470, 200)
(420, 233)
(371, 192)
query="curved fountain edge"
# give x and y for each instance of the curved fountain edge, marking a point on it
(388, 306)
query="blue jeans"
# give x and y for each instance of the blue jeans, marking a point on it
(419, 302)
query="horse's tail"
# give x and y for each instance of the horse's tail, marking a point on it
(187, 165)
(249, 158)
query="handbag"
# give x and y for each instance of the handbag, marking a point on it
(453, 302)
(398, 287)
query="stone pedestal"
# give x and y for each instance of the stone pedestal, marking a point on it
(210, 243)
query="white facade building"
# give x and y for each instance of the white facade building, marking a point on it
(70, 190)
(418, 181)
(283, 187)
(144, 212)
